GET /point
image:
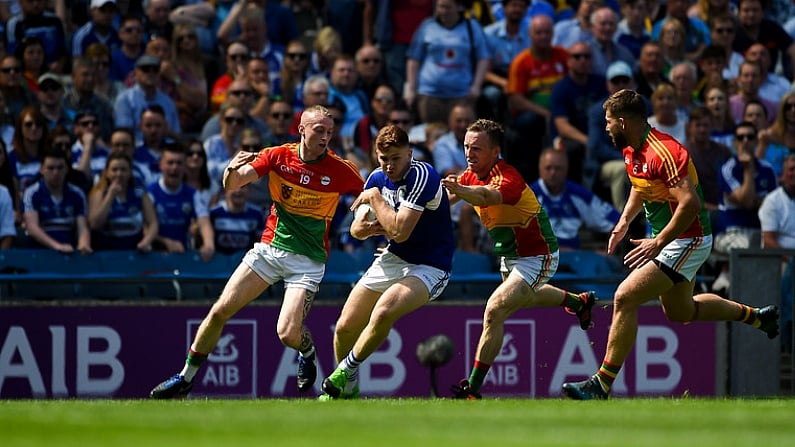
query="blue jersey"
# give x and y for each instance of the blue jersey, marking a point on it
(99, 158)
(572, 208)
(123, 228)
(176, 210)
(25, 173)
(431, 242)
(58, 218)
(445, 57)
(236, 231)
(147, 158)
(731, 178)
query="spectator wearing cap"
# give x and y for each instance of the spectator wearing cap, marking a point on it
(34, 20)
(605, 164)
(50, 96)
(132, 101)
(81, 95)
(98, 29)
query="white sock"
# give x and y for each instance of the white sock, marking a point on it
(189, 372)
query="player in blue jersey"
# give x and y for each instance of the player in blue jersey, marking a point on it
(412, 210)
(55, 211)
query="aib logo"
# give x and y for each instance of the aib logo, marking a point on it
(513, 370)
(231, 369)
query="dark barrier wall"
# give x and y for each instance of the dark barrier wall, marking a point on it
(123, 351)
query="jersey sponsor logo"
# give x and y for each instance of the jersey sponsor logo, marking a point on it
(286, 169)
(325, 180)
(287, 191)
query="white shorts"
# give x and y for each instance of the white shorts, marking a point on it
(388, 269)
(685, 256)
(534, 270)
(274, 264)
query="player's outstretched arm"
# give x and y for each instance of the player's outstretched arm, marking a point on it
(475, 195)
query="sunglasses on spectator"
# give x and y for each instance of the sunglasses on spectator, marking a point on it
(132, 29)
(196, 153)
(401, 122)
(241, 92)
(49, 87)
(298, 56)
(15, 69)
(62, 145)
(371, 60)
(149, 68)
(790, 106)
(31, 124)
(250, 147)
(234, 120)
(724, 30)
(281, 115)
(385, 98)
(319, 93)
(239, 57)
(579, 56)
(86, 123)
(184, 37)
(745, 136)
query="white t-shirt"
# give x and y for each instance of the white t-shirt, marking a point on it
(777, 213)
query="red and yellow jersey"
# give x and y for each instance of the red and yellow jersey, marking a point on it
(661, 163)
(534, 78)
(305, 197)
(519, 225)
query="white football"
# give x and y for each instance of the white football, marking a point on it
(364, 211)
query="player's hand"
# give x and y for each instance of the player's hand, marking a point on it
(645, 250)
(451, 183)
(616, 236)
(365, 197)
(241, 158)
(85, 249)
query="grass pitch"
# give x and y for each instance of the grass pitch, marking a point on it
(399, 422)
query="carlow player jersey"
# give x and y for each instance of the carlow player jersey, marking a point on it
(431, 241)
(305, 196)
(661, 163)
(519, 225)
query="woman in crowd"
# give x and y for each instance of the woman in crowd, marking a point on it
(717, 101)
(672, 43)
(221, 147)
(31, 52)
(121, 216)
(104, 86)
(665, 116)
(289, 86)
(778, 140)
(189, 77)
(30, 138)
(197, 174)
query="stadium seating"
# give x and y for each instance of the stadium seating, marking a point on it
(123, 275)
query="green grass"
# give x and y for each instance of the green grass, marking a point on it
(399, 422)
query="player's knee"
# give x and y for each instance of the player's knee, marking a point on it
(289, 335)
(494, 313)
(681, 314)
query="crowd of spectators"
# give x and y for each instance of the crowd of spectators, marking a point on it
(145, 102)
